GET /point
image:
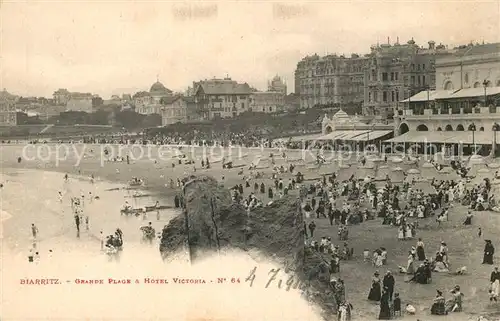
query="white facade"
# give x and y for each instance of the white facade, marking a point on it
(174, 111)
(467, 69)
(80, 104)
(267, 102)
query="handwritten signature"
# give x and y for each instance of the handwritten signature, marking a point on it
(273, 275)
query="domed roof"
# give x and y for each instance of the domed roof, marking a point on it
(341, 114)
(157, 86)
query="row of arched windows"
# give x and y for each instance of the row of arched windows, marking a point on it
(448, 128)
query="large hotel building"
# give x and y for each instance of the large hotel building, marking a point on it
(377, 81)
(457, 111)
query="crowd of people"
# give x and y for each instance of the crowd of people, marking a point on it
(343, 203)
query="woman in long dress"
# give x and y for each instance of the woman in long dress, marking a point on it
(420, 250)
(495, 290)
(375, 293)
(420, 211)
(410, 267)
(401, 234)
(438, 306)
(408, 232)
(489, 250)
(385, 310)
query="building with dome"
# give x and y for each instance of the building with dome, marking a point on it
(150, 102)
(270, 101)
(344, 129)
(277, 85)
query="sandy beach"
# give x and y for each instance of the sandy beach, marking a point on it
(463, 242)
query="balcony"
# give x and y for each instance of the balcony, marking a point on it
(440, 114)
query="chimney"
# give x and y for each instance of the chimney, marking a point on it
(432, 44)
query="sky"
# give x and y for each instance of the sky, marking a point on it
(115, 47)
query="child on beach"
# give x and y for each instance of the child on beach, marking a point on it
(366, 255)
(396, 305)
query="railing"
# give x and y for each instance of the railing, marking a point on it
(454, 112)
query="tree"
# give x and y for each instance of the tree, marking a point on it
(97, 101)
(152, 120)
(129, 119)
(24, 119)
(100, 117)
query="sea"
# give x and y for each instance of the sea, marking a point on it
(74, 280)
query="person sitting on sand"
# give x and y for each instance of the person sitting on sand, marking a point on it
(468, 218)
(438, 306)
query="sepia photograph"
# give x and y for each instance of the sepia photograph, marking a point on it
(249, 160)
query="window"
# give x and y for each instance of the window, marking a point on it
(413, 80)
(384, 96)
(397, 95)
(393, 96)
(392, 76)
(384, 76)
(418, 79)
(370, 97)
(242, 105)
(418, 66)
(423, 66)
(423, 80)
(375, 96)
(396, 75)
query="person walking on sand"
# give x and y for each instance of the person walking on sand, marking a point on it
(77, 222)
(489, 250)
(86, 222)
(101, 238)
(312, 227)
(34, 231)
(420, 250)
(157, 207)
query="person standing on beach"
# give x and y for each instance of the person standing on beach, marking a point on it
(83, 200)
(60, 197)
(77, 222)
(489, 250)
(34, 231)
(86, 222)
(101, 238)
(312, 227)
(157, 207)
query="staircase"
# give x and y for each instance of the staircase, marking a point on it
(46, 128)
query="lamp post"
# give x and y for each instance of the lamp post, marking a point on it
(496, 127)
(473, 129)
(428, 88)
(485, 85)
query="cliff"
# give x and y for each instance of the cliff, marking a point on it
(216, 223)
